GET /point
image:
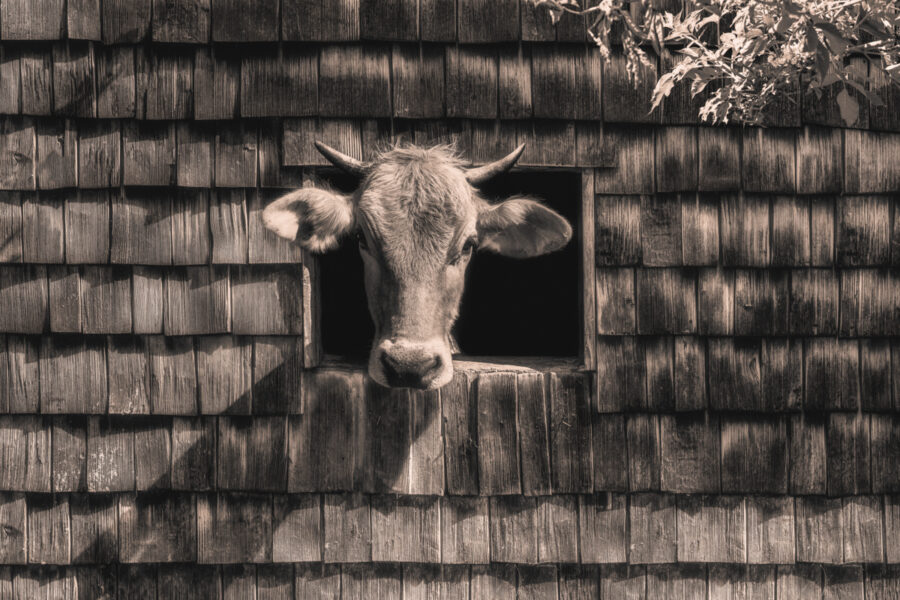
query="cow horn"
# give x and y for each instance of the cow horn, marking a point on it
(483, 174)
(341, 160)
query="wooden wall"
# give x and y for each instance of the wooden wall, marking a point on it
(166, 430)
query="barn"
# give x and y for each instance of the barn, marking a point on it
(175, 421)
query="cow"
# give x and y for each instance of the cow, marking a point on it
(418, 217)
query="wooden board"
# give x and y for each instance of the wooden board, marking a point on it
(236, 21)
(87, 216)
(193, 453)
(472, 82)
(297, 528)
(690, 450)
(761, 300)
(129, 375)
(49, 532)
(632, 149)
(73, 375)
(790, 231)
(280, 85)
(17, 153)
(754, 455)
(676, 159)
(163, 84)
(498, 462)
(36, 77)
(711, 529)
(278, 378)
(312, 20)
(354, 81)
(42, 228)
(620, 374)
(417, 81)
(819, 532)
(666, 301)
(32, 20)
(94, 528)
(152, 443)
(69, 454)
(125, 21)
(391, 20)
(651, 522)
(173, 380)
(487, 21)
(157, 528)
(661, 230)
(182, 21)
(267, 300)
(570, 434)
(106, 299)
(56, 154)
(149, 153)
(870, 161)
(73, 80)
(513, 529)
(197, 301)
(251, 454)
(465, 535)
(110, 456)
(114, 73)
(626, 101)
(234, 528)
(347, 528)
(863, 231)
(406, 529)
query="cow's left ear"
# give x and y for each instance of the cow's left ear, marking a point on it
(521, 228)
(315, 218)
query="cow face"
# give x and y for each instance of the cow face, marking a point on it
(418, 218)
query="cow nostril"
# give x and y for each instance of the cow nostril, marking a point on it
(389, 365)
(433, 365)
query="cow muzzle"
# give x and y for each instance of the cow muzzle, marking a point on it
(408, 364)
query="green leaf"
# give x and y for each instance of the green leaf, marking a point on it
(849, 107)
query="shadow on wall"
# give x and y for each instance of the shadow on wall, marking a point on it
(352, 436)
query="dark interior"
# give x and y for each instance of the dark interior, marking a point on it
(510, 307)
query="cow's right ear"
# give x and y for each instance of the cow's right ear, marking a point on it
(315, 218)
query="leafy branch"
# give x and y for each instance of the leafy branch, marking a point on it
(744, 54)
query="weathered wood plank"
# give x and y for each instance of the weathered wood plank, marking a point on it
(487, 21)
(10, 76)
(625, 100)
(106, 299)
(193, 453)
(618, 230)
(69, 454)
(632, 155)
(661, 230)
(690, 373)
(163, 83)
(157, 528)
(42, 228)
(355, 81)
(83, 19)
(819, 530)
(371, 581)
(426, 451)
(514, 81)
(406, 529)
(602, 528)
(819, 161)
(13, 522)
(498, 461)
(394, 20)
(11, 247)
(267, 301)
(690, 451)
(94, 528)
(191, 582)
(32, 20)
(217, 79)
(347, 528)
(659, 371)
(389, 419)
(465, 535)
(734, 374)
(808, 454)
(557, 529)
(87, 217)
(547, 143)
(863, 231)
(297, 528)
(99, 156)
(36, 77)
(848, 453)
(24, 291)
(744, 232)
(234, 528)
(73, 375)
(49, 532)
(472, 82)
(129, 375)
(643, 436)
(870, 161)
(711, 529)
(284, 84)
(19, 375)
(65, 299)
(677, 165)
(236, 21)
(718, 157)
(514, 529)
(459, 410)
(417, 81)
(264, 246)
(56, 154)
(588, 82)
(875, 374)
(790, 231)
(228, 226)
(754, 455)
(814, 302)
(172, 375)
(666, 301)
(651, 526)
(278, 379)
(153, 444)
(125, 21)
(25, 440)
(110, 456)
(147, 284)
(770, 530)
(885, 449)
(570, 434)
(831, 372)
(532, 416)
(862, 521)
(553, 81)
(181, 21)
(761, 302)
(332, 451)
(149, 152)
(73, 79)
(115, 81)
(821, 231)
(194, 154)
(17, 153)
(313, 20)
(197, 301)
(768, 160)
(251, 454)
(224, 374)
(317, 581)
(609, 462)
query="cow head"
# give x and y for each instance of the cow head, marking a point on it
(418, 218)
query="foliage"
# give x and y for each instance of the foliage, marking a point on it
(746, 53)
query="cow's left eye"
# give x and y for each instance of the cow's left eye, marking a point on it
(466, 252)
(361, 238)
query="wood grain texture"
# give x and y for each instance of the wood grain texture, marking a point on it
(73, 79)
(217, 79)
(181, 21)
(106, 299)
(514, 82)
(110, 456)
(620, 376)
(69, 454)
(625, 101)
(790, 231)
(354, 81)
(277, 376)
(297, 528)
(395, 20)
(553, 82)
(690, 450)
(651, 522)
(644, 451)
(870, 164)
(56, 154)
(754, 455)
(514, 529)
(618, 230)
(831, 370)
(472, 81)
(267, 300)
(65, 299)
(147, 284)
(610, 463)
(43, 238)
(234, 528)
(263, 245)
(602, 528)
(570, 434)
(87, 216)
(863, 230)
(459, 410)
(125, 21)
(417, 82)
(234, 21)
(197, 301)
(632, 150)
(534, 444)
(770, 530)
(224, 374)
(114, 70)
(73, 375)
(666, 301)
(49, 532)
(36, 77)
(251, 454)
(314, 20)
(94, 528)
(280, 85)
(465, 535)
(819, 531)
(498, 459)
(149, 153)
(332, 449)
(26, 441)
(848, 454)
(761, 302)
(718, 158)
(193, 453)
(157, 529)
(163, 84)
(745, 230)
(153, 444)
(129, 375)
(885, 448)
(406, 529)
(25, 289)
(347, 528)
(481, 21)
(24, 20)
(661, 230)
(768, 160)
(711, 529)
(735, 373)
(11, 248)
(19, 371)
(677, 152)
(173, 378)
(17, 153)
